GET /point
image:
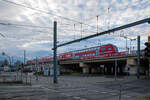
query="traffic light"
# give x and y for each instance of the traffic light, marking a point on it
(147, 49)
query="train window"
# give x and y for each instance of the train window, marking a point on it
(109, 48)
(103, 50)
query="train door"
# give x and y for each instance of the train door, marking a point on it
(102, 50)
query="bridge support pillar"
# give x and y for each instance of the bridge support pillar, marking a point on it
(133, 70)
(85, 68)
(132, 65)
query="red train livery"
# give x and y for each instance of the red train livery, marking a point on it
(89, 52)
(108, 50)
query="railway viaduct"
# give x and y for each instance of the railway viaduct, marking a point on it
(106, 65)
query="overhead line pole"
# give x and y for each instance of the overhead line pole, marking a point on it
(55, 52)
(108, 31)
(24, 57)
(138, 57)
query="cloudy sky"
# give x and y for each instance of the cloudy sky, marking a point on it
(75, 19)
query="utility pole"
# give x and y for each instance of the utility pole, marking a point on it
(147, 54)
(36, 68)
(126, 44)
(24, 57)
(149, 67)
(81, 30)
(138, 57)
(55, 51)
(97, 24)
(12, 61)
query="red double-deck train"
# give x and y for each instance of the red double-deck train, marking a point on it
(108, 50)
(104, 50)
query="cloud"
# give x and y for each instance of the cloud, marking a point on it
(36, 40)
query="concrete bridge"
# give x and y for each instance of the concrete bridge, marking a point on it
(106, 65)
(99, 65)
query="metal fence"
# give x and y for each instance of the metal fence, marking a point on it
(14, 77)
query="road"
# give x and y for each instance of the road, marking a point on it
(77, 88)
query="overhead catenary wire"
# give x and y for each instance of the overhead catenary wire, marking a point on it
(2, 35)
(6, 0)
(46, 12)
(31, 26)
(27, 39)
(11, 24)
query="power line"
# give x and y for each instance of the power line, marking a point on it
(26, 39)
(9, 24)
(2, 35)
(39, 10)
(31, 26)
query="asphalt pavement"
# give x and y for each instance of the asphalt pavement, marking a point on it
(77, 88)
